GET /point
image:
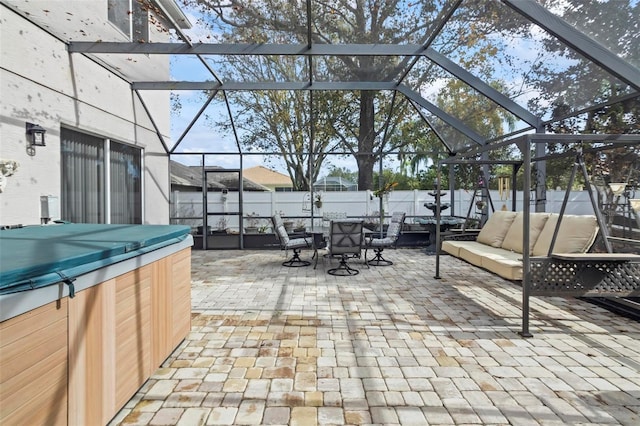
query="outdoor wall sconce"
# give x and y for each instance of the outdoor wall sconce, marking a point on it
(36, 134)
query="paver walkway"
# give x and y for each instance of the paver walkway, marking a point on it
(392, 345)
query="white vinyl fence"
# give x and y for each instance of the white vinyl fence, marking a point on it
(186, 207)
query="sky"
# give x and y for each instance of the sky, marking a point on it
(203, 135)
(524, 53)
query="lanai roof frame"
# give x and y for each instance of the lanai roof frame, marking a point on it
(531, 10)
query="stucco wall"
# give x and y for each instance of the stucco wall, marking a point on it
(41, 83)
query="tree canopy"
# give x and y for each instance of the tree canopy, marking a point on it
(502, 48)
(362, 123)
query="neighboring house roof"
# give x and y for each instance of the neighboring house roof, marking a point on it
(267, 177)
(230, 181)
(191, 177)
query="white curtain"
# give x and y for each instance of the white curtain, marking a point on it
(82, 161)
(84, 175)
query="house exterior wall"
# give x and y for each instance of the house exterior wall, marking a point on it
(40, 82)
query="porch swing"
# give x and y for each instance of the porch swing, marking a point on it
(598, 274)
(573, 273)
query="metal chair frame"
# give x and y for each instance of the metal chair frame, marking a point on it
(286, 243)
(389, 241)
(346, 239)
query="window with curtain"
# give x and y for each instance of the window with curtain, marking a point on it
(126, 184)
(84, 197)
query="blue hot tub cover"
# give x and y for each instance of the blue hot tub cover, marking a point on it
(38, 256)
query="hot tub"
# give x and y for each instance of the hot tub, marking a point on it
(88, 312)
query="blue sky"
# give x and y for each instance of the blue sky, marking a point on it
(524, 52)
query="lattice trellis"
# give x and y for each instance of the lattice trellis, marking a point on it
(557, 277)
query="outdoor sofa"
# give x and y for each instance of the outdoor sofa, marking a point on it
(498, 246)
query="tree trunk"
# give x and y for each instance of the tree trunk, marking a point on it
(300, 180)
(366, 141)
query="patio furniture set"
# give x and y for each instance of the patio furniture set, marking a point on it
(343, 239)
(561, 248)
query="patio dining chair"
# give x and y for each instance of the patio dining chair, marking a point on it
(327, 217)
(346, 239)
(390, 240)
(286, 243)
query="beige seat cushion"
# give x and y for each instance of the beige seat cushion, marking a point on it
(513, 239)
(576, 234)
(504, 263)
(494, 231)
(508, 268)
(453, 247)
(474, 253)
(507, 264)
(450, 247)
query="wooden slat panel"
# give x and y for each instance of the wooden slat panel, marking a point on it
(161, 311)
(44, 399)
(19, 355)
(181, 296)
(133, 332)
(30, 322)
(33, 360)
(92, 355)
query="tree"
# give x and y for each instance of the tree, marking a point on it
(477, 112)
(619, 164)
(360, 122)
(276, 121)
(614, 165)
(614, 24)
(570, 82)
(279, 121)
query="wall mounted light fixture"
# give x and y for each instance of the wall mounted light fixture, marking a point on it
(36, 134)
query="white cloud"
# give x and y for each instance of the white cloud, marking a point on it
(431, 89)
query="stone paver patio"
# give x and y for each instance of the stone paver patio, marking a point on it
(392, 345)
